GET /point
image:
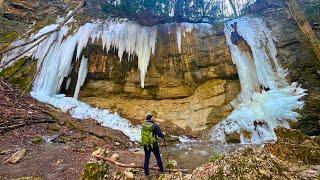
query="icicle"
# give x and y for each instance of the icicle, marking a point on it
(82, 74)
(179, 38)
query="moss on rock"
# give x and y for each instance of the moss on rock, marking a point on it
(95, 170)
(21, 73)
(10, 37)
(37, 140)
(9, 71)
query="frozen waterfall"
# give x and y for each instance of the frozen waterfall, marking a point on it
(55, 56)
(257, 111)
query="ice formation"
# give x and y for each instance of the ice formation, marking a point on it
(83, 70)
(258, 111)
(270, 108)
(55, 55)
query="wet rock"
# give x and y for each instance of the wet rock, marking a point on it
(17, 156)
(233, 138)
(247, 134)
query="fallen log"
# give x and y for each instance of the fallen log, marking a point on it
(136, 166)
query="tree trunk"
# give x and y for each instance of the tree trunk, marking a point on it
(233, 8)
(305, 27)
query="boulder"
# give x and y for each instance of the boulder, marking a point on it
(17, 156)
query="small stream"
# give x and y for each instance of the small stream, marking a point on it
(194, 154)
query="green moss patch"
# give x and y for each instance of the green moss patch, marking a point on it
(95, 170)
(37, 140)
(21, 73)
(8, 72)
(10, 37)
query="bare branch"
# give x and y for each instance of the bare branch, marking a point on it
(42, 37)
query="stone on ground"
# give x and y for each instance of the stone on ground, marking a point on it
(17, 156)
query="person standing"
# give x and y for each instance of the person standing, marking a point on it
(150, 134)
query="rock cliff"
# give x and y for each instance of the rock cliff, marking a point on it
(191, 89)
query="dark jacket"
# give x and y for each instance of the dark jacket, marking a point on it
(235, 37)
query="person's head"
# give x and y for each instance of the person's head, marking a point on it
(149, 116)
(234, 26)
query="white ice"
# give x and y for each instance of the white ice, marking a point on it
(83, 70)
(274, 107)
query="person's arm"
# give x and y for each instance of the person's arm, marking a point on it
(157, 131)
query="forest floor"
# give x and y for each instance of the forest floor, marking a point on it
(57, 146)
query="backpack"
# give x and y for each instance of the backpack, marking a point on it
(147, 135)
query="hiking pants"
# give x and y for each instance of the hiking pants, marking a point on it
(147, 153)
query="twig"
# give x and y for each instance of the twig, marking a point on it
(26, 123)
(136, 166)
(21, 54)
(6, 85)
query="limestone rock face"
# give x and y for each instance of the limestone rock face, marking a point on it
(191, 89)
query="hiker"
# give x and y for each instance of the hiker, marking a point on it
(235, 36)
(149, 134)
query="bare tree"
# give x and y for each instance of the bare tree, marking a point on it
(233, 6)
(305, 27)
